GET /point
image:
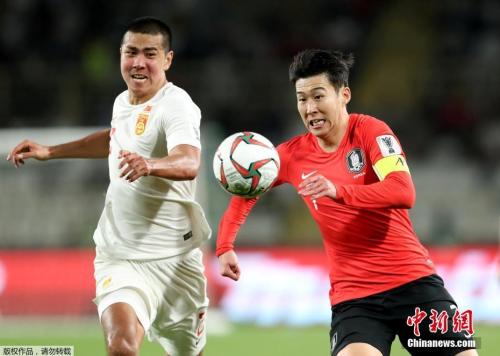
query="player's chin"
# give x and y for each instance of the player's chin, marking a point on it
(319, 132)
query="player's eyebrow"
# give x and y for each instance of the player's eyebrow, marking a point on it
(134, 48)
(312, 89)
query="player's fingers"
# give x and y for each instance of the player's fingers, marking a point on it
(309, 182)
(22, 147)
(308, 189)
(129, 159)
(134, 176)
(228, 271)
(236, 270)
(12, 154)
(321, 192)
(126, 171)
(25, 155)
(18, 160)
(123, 162)
(231, 275)
(123, 154)
(12, 159)
(304, 183)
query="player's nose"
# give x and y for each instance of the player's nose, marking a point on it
(311, 107)
(139, 61)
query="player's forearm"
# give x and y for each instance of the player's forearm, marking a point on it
(395, 191)
(235, 215)
(176, 167)
(95, 145)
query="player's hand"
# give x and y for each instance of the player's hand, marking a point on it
(317, 186)
(228, 265)
(28, 149)
(135, 166)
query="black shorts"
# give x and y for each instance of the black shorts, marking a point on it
(378, 318)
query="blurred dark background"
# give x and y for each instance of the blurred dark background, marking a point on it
(428, 68)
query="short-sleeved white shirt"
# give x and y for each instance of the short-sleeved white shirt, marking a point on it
(152, 217)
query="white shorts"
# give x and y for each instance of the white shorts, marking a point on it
(168, 296)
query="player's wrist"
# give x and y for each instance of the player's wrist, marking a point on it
(50, 152)
(151, 167)
(339, 192)
(222, 250)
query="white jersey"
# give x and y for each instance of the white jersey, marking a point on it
(152, 217)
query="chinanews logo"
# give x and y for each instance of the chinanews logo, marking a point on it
(452, 329)
(142, 120)
(355, 160)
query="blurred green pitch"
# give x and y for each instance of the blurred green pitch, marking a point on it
(244, 340)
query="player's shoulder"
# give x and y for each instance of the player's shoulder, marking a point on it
(366, 124)
(172, 98)
(366, 121)
(172, 93)
(122, 99)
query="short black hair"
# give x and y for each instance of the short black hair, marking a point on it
(334, 64)
(151, 26)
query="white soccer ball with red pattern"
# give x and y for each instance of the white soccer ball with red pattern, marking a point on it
(246, 164)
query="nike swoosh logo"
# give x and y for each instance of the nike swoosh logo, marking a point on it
(304, 176)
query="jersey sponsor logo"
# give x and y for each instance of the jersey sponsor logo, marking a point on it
(305, 176)
(388, 145)
(142, 120)
(355, 160)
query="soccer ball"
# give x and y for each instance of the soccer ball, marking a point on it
(246, 164)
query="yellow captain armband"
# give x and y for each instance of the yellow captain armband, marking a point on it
(386, 165)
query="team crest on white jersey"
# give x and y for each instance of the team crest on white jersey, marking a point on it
(355, 160)
(388, 145)
(142, 120)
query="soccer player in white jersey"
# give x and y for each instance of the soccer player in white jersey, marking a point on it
(148, 265)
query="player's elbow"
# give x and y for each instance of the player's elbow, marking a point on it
(407, 201)
(190, 170)
(189, 173)
(405, 195)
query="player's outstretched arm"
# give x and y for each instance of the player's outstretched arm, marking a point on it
(95, 145)
(228, 265)
(182, 163)
(394, 191)
(230, 223)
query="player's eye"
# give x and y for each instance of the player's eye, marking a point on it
(318, 97)
(301, 100)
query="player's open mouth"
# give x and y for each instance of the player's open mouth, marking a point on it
(316, 123)
(139, 77)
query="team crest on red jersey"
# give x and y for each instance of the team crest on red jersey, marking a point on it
(355, 160)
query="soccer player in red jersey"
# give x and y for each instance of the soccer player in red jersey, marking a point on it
(351, 172)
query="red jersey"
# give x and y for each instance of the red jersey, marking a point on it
(367, 232)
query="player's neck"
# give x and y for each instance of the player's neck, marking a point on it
(331, 141)
(140, 98)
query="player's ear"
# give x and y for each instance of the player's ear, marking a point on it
(169, 57)
(346, 94)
